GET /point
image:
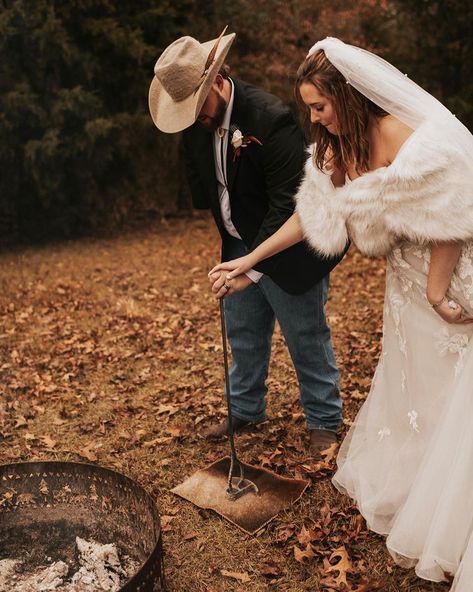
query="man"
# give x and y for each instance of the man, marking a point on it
(245, 155)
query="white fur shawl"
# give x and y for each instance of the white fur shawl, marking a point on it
(425, 195)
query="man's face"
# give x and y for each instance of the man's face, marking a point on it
(213, 110)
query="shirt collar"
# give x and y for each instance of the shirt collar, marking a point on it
(228, 112)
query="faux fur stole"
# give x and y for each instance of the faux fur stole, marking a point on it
(424, 195)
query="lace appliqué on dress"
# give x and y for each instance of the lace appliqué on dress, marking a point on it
(413, 415)
(383, 433)
(397, 299)
(453, 344)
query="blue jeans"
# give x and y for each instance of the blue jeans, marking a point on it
(250, 317)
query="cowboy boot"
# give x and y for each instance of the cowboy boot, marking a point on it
(321, 440)
(221, 429)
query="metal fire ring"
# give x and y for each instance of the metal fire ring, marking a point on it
(45, 505)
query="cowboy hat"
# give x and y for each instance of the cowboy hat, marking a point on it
(183, 76)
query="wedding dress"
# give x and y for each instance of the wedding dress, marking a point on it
(407, 460)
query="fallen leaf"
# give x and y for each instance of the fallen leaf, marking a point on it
(156, 441)
(330, 453)
(307, 535)
(165, 522)
(87, 453)
(269, 569)
(176, 432)
(241, 577)
(48, 441)
(171, 409)
(342, 566)
(308, 553)
(20, 422)
(284, 533)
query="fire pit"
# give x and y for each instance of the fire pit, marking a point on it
(44, 506)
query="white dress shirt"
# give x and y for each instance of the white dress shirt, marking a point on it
(220, 145)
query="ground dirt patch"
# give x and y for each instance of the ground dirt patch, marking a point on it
(110, 353)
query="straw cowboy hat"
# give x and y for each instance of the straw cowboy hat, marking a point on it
(183, 76)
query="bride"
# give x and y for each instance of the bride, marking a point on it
(392, 170)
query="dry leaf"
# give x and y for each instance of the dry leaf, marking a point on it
(330, 453)
(306, 554)
(165, 522)
(48, 441)
(171, 409)
(176, 432)
(87, 453)
(284, 533)
(241, 577)
(269, 569)
(20, 422)
(308, 535)
(156, 441)
(342, 566)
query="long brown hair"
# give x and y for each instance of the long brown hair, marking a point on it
(353, 112)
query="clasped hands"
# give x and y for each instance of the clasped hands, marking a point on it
(230, 276)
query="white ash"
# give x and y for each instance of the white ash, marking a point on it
(101, 568)
(7, 570)
(45, 580)
(100, 571)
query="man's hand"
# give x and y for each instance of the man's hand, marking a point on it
(219, 281)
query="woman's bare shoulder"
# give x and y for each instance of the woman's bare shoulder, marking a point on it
(392, 135)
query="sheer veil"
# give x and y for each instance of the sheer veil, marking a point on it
(394, 92)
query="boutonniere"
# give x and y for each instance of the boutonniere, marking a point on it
(240, 141)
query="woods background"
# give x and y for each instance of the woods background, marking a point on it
(78, 150)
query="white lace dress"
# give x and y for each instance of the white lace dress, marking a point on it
(407, 460)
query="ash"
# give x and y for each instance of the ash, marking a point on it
(100, 571)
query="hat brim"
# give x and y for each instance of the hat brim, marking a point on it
(170, 116)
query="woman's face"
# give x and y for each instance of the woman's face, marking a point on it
(320, 107)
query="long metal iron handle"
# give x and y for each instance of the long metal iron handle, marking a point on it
(234, 458)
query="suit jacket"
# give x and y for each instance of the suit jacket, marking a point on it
(262, 183)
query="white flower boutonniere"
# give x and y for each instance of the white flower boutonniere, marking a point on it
(237, 139)
(240, 141)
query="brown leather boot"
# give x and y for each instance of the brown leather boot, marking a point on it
(221, 429)
(321, 440)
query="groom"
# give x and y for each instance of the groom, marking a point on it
(245, 155)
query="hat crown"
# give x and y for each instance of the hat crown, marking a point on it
(180, 67)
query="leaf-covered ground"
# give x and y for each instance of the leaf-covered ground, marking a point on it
(110, 352)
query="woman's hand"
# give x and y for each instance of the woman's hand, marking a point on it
(451, 312)
(235, 266)
(221, 286)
